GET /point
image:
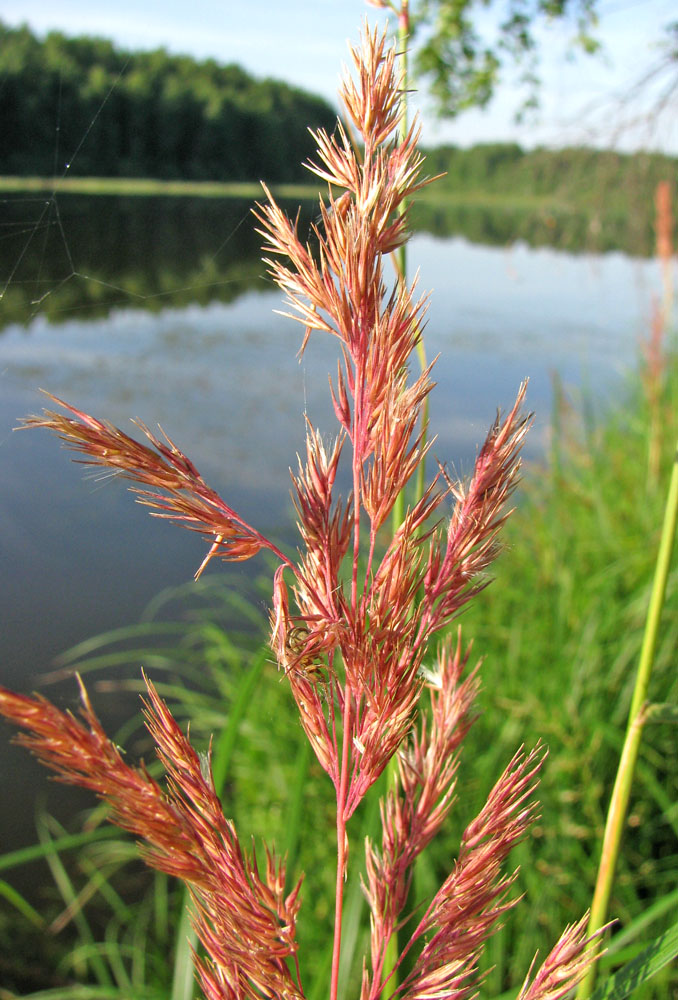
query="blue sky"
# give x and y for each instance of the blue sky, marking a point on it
(305, 43)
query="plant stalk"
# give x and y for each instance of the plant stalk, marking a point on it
(404, 31)
(341, 844)
(392, 951)
(637, 716)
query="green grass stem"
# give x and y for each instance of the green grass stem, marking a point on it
(637, 717)
(401, 254)
(15, 899)
(392, 950)
(90, 956)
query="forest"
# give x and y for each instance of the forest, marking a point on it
(583, 177)
(146, 114)
(83, 105)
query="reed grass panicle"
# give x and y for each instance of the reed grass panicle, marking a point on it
(355, 619)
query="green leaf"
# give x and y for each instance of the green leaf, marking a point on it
(636, 932)
(183, 979)
(645, 965)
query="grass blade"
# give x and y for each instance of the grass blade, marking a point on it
(640, 969)
(15, 898)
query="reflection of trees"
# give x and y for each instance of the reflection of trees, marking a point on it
(595, 200)
(82, 257)
(499, 225)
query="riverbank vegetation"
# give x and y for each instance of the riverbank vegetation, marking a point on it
(576, 175)
(562, 626)
(141, 187)
(575, 199)
(598, 199)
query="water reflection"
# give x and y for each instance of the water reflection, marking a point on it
(156, 309)
(77, 256)
(560, 227)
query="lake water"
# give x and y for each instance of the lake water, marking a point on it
(159, 310)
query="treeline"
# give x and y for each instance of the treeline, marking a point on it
(106, 112)
(579, 177)
(111, 113)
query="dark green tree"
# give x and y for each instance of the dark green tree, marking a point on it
(83, 105)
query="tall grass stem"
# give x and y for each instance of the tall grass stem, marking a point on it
(637, 716)
(401, 254)
(392, 951)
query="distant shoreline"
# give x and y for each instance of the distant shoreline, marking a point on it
(151, 187)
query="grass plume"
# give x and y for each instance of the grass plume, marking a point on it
(359, 621)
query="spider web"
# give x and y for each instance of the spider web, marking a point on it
(83, 273)
(42, 252)
(44, 234)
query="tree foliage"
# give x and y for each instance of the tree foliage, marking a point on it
(146, 113)
(465, 46)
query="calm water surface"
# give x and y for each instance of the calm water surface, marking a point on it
(159, 311)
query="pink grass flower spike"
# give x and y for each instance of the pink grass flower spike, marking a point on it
(355, 618)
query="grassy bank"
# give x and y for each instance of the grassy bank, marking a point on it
(561, 629)
(148, 186)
